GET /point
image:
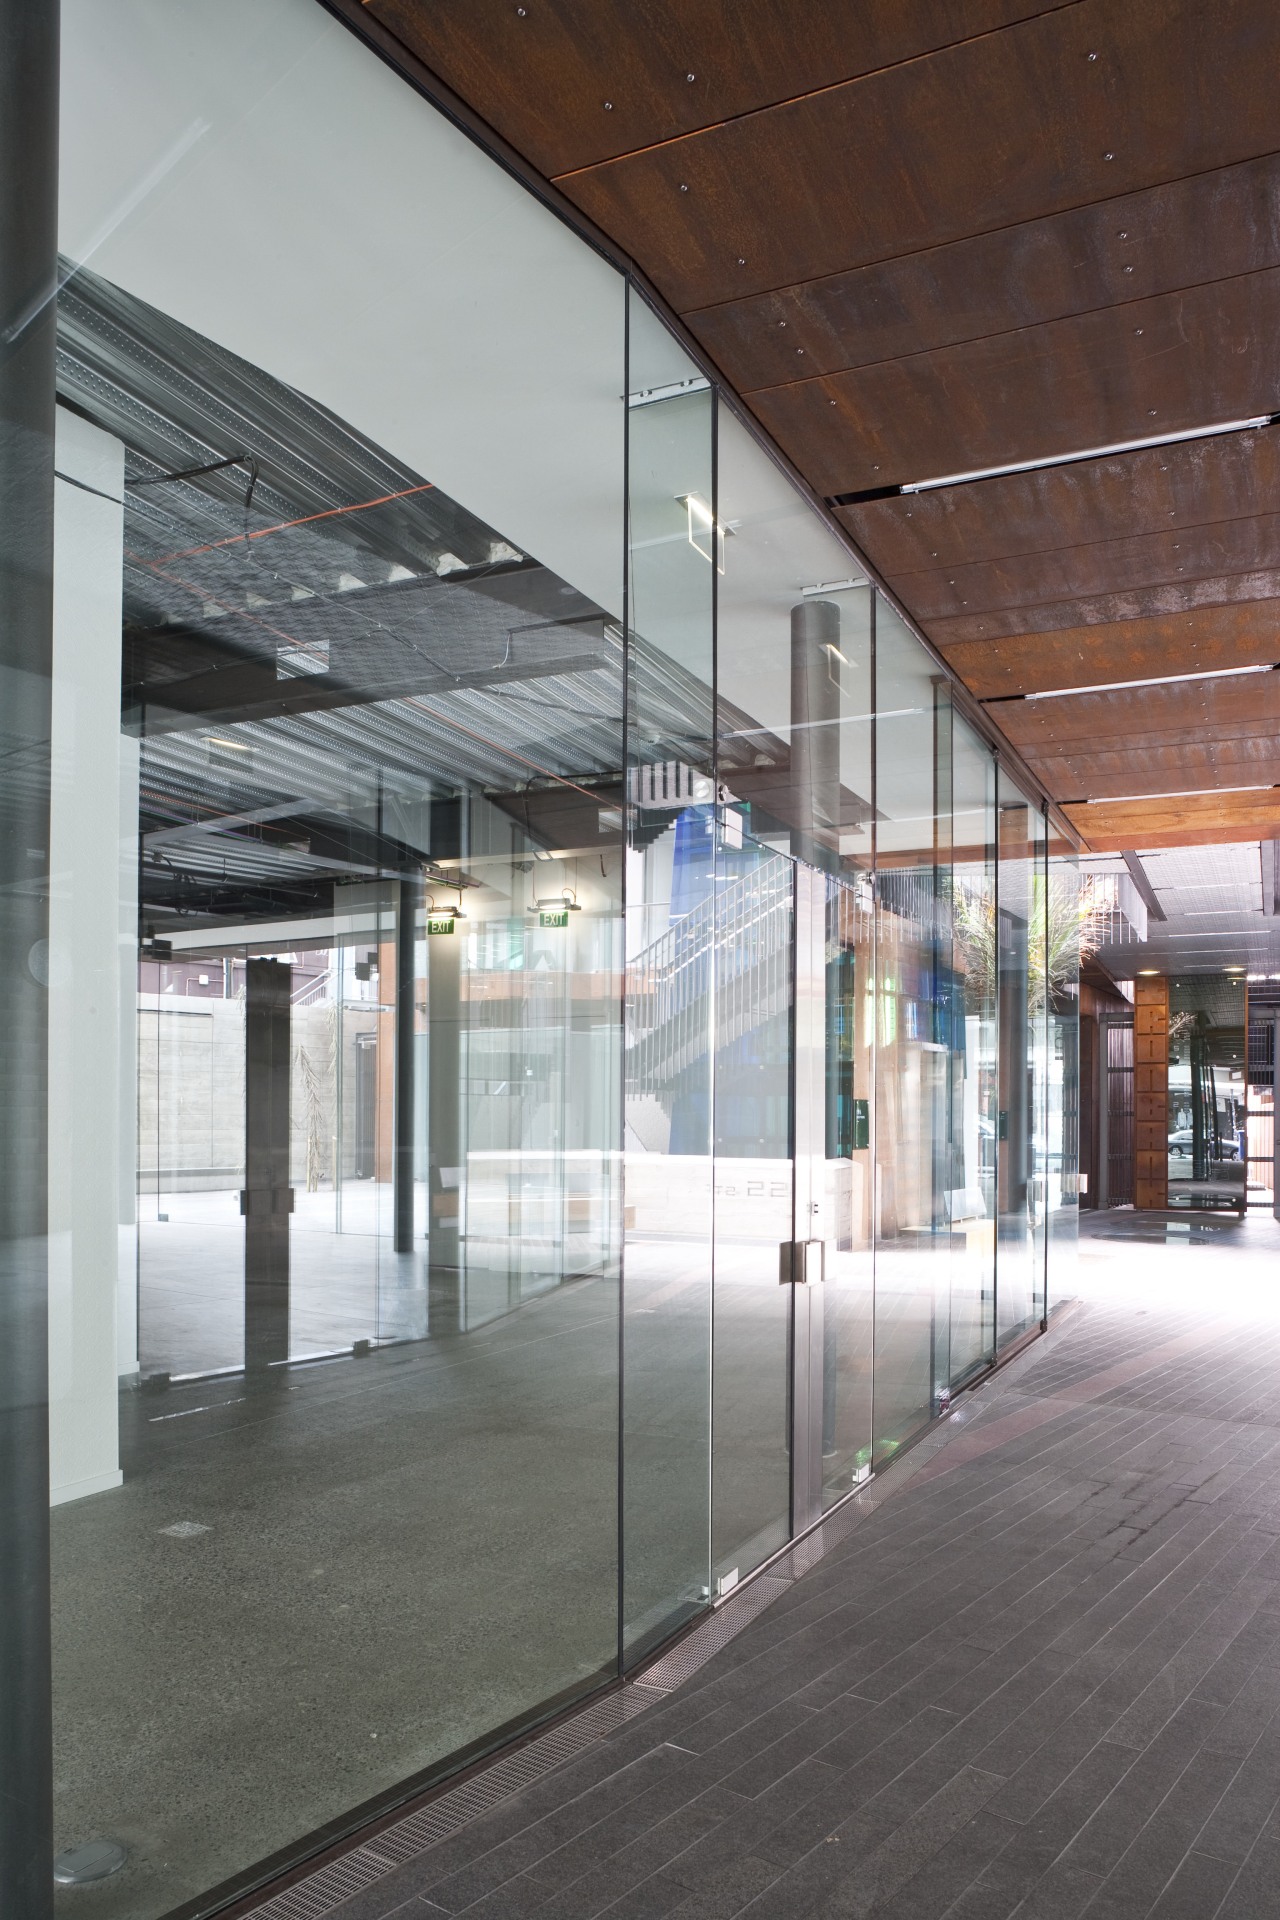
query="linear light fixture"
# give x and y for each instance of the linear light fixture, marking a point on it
(1088, 453)
(1156, 680)
(1183, 793)
(835, 586)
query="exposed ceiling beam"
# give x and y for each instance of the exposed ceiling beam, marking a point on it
(1146, 892)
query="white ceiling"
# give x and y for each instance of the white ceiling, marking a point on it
(1219, 907)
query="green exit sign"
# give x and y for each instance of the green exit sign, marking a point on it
(554, 917)
(440, 923)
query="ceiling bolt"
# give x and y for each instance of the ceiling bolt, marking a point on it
(1108, 156)
(782, 323)
(1128, 269)
(683, 187)
(1124, 233)
(741, 261)
(1093, 56)
(608, 106)
(1138, 331)
(799, 349)
(691, 77)
(1152, 412)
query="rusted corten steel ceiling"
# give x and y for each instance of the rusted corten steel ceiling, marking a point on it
(924, 238)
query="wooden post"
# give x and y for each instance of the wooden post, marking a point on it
(1151, 1092)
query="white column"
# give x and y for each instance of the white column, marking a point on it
(85, 925)
(127, 1139)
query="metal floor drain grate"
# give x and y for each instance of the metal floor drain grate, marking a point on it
(317, 1896)
(725, 1624)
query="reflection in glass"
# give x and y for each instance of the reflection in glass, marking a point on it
(670, 943)
(432, 649)
(754, 1205)
(913, 966)
(1021, 985)
(370, 754)
(1207, 1119)
(848, 1307)
(1068, 917)
(971, 1196)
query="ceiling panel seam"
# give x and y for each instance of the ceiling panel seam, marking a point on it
(1005, 333)
(979, 233)
(811, 93)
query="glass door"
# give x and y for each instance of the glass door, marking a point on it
(755, 1200)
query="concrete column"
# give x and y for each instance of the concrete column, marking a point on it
(84, 963)
(815, 734)
(1151, 1092)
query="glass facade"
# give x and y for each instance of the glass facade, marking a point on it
(561, 1035)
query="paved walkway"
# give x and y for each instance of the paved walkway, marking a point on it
(1042, 1679)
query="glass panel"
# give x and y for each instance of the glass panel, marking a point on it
(971, 1196)
(1068, 915)
(848, 1306)
(794, 741)
(190, 1237)
(364, 595)
(1207, 1121)
(913, 1055)
(751, 1479)
(670, 944)
(1038, 1195)
(1019, 969)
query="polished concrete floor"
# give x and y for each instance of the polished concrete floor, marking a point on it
(314, 1586)
(1041, 1680)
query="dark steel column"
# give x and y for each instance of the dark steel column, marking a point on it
(815, 735)
(444, 1125)
(405, 1103)
(267, 1200)
(28, 261)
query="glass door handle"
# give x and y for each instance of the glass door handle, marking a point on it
(802, 1263)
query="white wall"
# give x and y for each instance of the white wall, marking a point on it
(251, 169)
(85, 986)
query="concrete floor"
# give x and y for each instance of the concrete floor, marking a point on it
(382, 1560)
(393, 1555)
(1041, 1680)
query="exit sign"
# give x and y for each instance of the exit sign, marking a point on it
(439, 923)
(554, 917)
